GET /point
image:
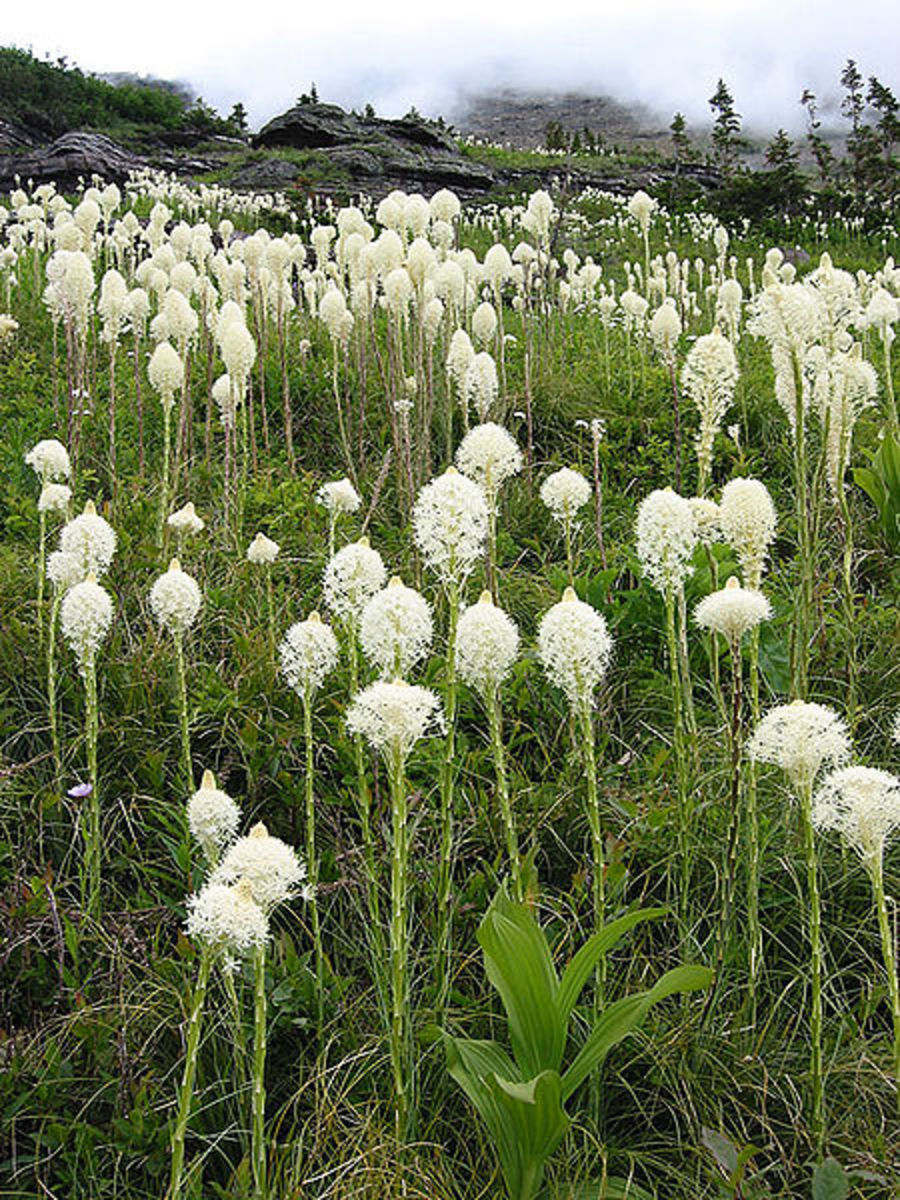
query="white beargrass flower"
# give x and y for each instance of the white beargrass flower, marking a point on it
(91, 539)
(748, 520)
(186, 520)
(308, 652)
(54, 497)
(732, 611)
(64, 570)
(392, 717)
(238, 350)
(227, 920)
(665, 330)
(801, 738)
(641, 207)
(213, 817)
(262, 550)
(863, 805)
(339, 497)
(166, 373)
(481, 385)
(706, 519)
(444, 206)
(8, 326)
(450, 524)
(85, 617)
(666, 537)
(175, 599)
(352, 578)
(709, 377)
(272, 869)
(49, 459)
(484, 323)
(574, 646)
(564, 492)
(396, 629)
(487, 642)
(488, 454)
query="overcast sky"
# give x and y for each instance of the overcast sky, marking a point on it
(669, 55)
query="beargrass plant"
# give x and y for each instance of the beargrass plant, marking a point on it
(175, 601)
(308, 653)
(521, 1097)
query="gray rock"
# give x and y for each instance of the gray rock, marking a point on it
(74, 155)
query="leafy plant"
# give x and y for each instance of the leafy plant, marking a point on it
(881, 483)
(521, 1097)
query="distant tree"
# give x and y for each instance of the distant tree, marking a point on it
(555, 136)
(314, 93)
(369, 112)
(726, 130)
(818, 147)
(575, 143)
(885, 103)
(681, 142)
(863, 152)
(237, 118)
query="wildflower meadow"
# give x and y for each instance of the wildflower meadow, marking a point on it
(451, 729)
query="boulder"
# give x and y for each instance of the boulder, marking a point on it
(75, 155)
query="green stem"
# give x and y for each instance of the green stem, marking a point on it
(570, 560)
(51, 688)
(849, 606)
(680, 765)
(876, 873)
(42, 553)
(164, 488)
(598, 869)
(734, 803)
(889, 380)
(753, 856)
(399, 945)
(185, 1092)
(91, 898)
(800, 656)
(312, 862)
(817, 1123)
(258, 1123)
(270, 604)
(444, 931)
(506, 810)
(186, 764)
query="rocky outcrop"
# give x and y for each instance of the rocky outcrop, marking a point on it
(74, 155)
(374, 153)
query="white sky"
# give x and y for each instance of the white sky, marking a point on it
(394, 54)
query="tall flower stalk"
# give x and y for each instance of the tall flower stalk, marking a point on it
(863, 805)
(666, 537)
(166, 373)
(486, 647)
(392, 717)
(564, 493)
(450, 524)
(801, 738)
(175, 601)
(732, 612)
(308, 653)
(86, 616)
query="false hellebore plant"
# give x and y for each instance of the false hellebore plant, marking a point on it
(520, 1098)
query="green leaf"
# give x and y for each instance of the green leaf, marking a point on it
(469, 1062)
(624, 1016)
(870, 483)
(579, 969)
(518, 964)
(534, 1125)
(829, 1181)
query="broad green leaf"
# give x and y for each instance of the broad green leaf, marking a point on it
(829, 1181)
(535, 1123)
(865, 478)
(579, 969)
(518, 964)
(624, 1016)
(469, 1063)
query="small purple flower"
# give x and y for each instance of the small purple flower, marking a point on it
(79, 791)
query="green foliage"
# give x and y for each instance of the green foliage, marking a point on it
(881, 483)
(521, 1099)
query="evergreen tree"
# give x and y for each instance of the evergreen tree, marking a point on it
(818, 147)
(237, 118)
(726, 130)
